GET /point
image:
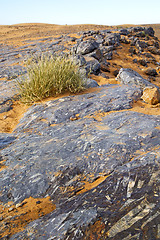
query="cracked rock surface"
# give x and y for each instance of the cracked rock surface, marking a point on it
(94, 155)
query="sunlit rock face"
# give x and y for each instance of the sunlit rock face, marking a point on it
(83, 166)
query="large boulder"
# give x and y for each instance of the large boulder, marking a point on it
(129, 76)
(87, 46)
(92, 65)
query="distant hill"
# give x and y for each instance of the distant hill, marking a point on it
(15, 32)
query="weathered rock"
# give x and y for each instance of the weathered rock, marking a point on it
(105, 66)
(151, 72)
(123, 39)
(143, 62)
(8, 92)
(124, 32)
(132, 50)
(108, 56)
(129, 76)
(87, 47)
(97, 54)
(112, 39)
(90, 83)
(121, 146)
(92, 65)
(141, 45)
(78, 59)
(151, 95)
(154, 50)
(96, 157)
(150, 31)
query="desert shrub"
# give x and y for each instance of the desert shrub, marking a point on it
(49, 75)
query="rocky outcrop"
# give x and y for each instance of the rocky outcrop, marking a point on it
(94, 155)
(129, 76)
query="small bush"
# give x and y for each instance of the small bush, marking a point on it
(48, 76)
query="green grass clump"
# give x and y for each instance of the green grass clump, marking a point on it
(49, 76)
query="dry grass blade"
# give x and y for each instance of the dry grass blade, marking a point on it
(48, 76)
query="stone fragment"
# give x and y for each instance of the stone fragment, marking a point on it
(92, 65)
(141, 45)
(151, 72)
(129, 76)
(123, 39)
(90, 83)
(154, 50)
(112, 39)
(151, 95)
(87, 46)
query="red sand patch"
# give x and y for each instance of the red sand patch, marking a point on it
(16, 217)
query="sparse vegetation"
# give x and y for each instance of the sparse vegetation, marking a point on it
(48, 76)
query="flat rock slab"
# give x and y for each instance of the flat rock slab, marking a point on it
(96, 159)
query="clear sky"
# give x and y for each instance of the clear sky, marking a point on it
(106, 12)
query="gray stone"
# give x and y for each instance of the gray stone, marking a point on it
(93, 154)
(151, 72)
(90, 83)
(87, 47)
(141, 45)
(129, 76)
(150, 31)
(124, 32)
(112, 39)
(92, 65)
(154, 50)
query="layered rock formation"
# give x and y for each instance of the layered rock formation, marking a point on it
(85, 166)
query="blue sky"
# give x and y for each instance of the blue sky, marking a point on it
(106, 12)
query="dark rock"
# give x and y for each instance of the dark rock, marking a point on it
(151, 72)
(78, 59)
(8, 92)
(123, 39)
(135, 60)
(141, 45)
(140, 34)
(6, 106)
(113, 145)
(87, 46)
(154, 50)
(6, 140)
(148, 55)
(97, 54)
(132, 50)
(133, 41)
(92, 65)
(149, 31)
(137, 29)
(112, 39)
(143, 62)
(90, 83)
(108, 56)
(99, 38)
(105, 66)
(107, 49)
(124, 32)
(115, 72)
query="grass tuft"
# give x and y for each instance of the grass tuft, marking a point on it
(49, 76)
